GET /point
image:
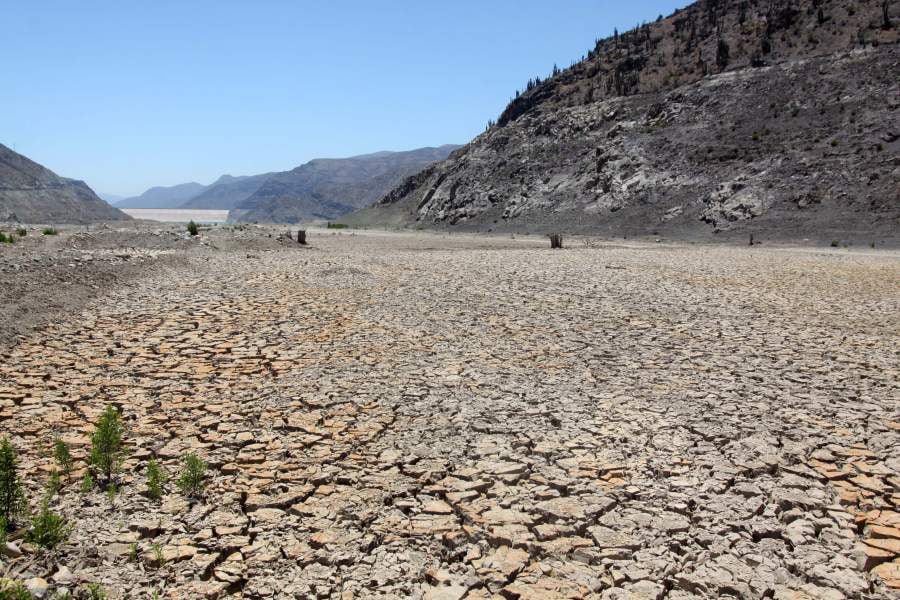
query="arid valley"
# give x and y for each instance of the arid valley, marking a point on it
(609, 420)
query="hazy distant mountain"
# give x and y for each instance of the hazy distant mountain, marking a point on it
(226, 192)
(163, 197)
(31, 193)
(329, 188)
(110, 198)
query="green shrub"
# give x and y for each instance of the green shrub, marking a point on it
(835, 243)
(48, 529)
(87, 483)
(158, 558)
(13, 590)
(192, 228)
(106, 445)
(94, 591)
(192, 480)
(53, 484)
(336, 226)
(12, 497)
(156, 480)
(49, 231)
(21, 232)
(63, 456)
(4, 239)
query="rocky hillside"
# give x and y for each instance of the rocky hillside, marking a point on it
(227, 192)
(31, 193)
(163, 197)
(727, 118)
(330, 188)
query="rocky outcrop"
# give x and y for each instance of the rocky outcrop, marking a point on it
(725, 119)
(330, 188)
(31, 193)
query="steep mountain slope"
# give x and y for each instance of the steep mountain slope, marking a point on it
(163, 197)
(31, 193)
(226, 192)
(727, 118)
(329, 188)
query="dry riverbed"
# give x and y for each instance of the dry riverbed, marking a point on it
(449, 417)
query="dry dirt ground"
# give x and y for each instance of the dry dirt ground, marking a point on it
(448, 417)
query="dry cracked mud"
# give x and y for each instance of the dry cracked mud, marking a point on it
(449, 417)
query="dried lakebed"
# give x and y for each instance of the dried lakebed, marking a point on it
(412, 416)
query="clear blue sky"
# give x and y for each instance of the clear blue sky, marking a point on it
(126, 95)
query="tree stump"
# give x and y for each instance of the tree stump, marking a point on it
(555, 241)
(301, 237)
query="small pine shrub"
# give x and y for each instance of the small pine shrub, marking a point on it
(156, 480)
(49, 231)
(193, 476)
(53, 484)
(12, 496)
(21, 232)
(63, 456)
(5, 239)
(835, 243)
(106, 445)
(87, 483)
(158, 558)
(48, 529)
(192, 228)
(94, 591)
(13, 590)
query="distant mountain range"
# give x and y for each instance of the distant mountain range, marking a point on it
(319, 189)
(32, 193)
(227, 192)
(330, 188)
(163, 197)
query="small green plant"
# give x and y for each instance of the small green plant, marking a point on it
(192, 480)
(12, 497)
(48, 529)
(835, 243)
(106, 445)
(158, 557)
(94, 591)
(63, 456)
(53, 484)
(111, 491)
(21, 232)
(336, 225)
(49, 231)
(13, 590)
(87, 483)
(3, 532)
(6, 239)
(192, 228)
(133, 553)
(156, 480)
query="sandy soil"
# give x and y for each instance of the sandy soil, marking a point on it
(447, 417)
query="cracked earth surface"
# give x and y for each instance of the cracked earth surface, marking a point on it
(413, 416)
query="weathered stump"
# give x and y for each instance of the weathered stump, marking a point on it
(301, 237)
(555, 241)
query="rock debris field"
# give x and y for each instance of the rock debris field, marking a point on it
(449, 417)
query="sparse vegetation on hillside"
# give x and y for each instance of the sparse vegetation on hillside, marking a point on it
(192, 228)
(48, 529)
(156, 480)
(106, 445)
(12, 495)
(192, 480)
(49, 231)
